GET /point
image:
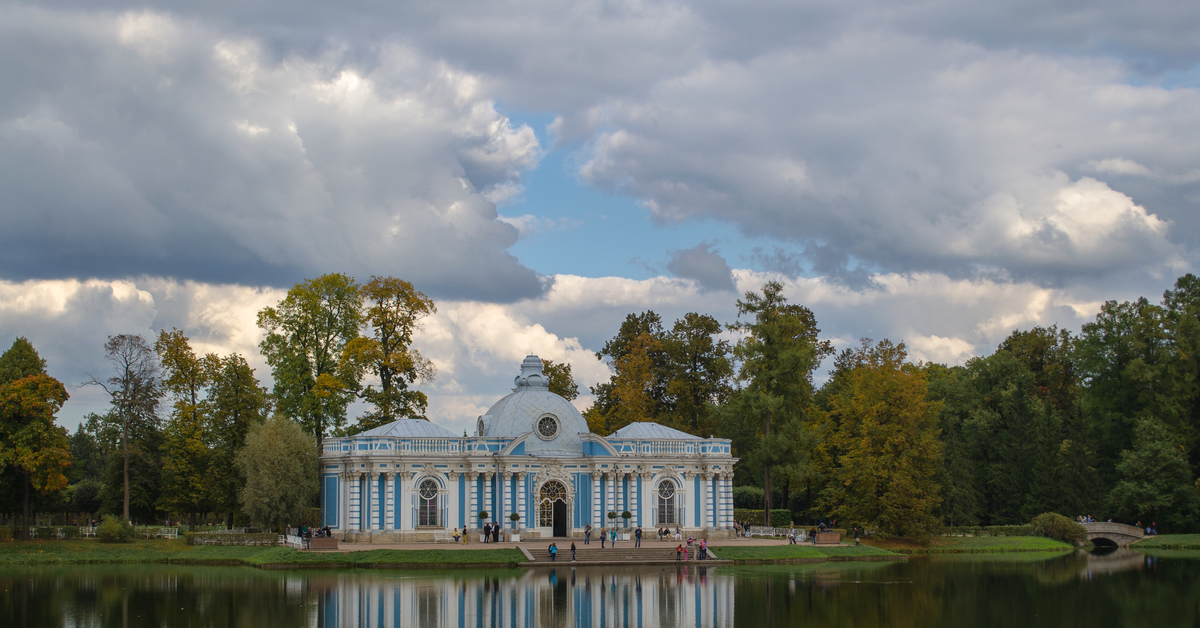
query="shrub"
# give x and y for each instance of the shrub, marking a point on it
(113, 530)
(747, 497)
(189, 537)
(1055, 526)
(780, 518)
(6, 533)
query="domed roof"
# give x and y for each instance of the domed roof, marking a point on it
(413, 428)
(531, 407)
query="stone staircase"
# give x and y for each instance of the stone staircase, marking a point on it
(627, 555)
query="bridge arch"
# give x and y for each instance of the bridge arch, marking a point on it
(1112, 534)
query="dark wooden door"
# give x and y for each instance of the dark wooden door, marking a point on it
(560, 518)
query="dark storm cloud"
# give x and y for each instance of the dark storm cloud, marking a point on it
(145, 145)
(703, 264)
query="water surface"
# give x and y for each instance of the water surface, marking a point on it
(1122, 588)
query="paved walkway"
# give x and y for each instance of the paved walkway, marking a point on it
(563, 544)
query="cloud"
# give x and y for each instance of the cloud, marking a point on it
(148, 142)
(796, 145)
(703, 264)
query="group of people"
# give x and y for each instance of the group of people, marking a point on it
(1151, 530)
(681, 550)
(490, 532)
(665, 533)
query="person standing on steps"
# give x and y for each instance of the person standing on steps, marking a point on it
(587, 534)
(678, 551)
(603, 538)
(614, 538)
(572, 551)
(553, 551)
(637, 537)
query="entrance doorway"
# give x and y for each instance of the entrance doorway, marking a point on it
(560, 518)
(552, 508)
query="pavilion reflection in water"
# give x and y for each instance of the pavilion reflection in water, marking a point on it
(585, 597)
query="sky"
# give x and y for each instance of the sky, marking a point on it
(938, 172)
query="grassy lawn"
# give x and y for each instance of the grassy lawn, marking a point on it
(969, 545)
(781, 552)
(142, 551)
(1169, 541)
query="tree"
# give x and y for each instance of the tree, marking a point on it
(700, 372)
(562, 381)
(236, 402)
(886, 442)
(1156, 482)
(633, 388)
(279, 462)
(305, 345)
(779, 351)
(29, 439)
(185, 452)
(21, 360)
(134, 391)
(633, 327)
(394, 309)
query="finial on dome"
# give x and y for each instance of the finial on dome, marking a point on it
(531, 374)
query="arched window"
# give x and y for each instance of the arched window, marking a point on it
(427, 503)
(551, 492)
(666, 503)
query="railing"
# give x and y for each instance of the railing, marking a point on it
(431, 445)
(668, 448)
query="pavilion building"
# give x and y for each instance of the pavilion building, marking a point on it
(532, 455)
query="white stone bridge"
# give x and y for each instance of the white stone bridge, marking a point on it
(1118, 534)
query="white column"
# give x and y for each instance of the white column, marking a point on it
(373, 500)
(507, 476)
(611, 495)
(521, 503)
(727, 500)
(344, 485)
(647, 497)
(452, 495)
(489, 495)
(472, 498)
(711, 514)
(403, 503)
(389, 500)
(595, 500)
(633, 501)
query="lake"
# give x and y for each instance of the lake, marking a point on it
(1121, 588)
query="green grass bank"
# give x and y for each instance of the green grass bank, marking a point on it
(178, 552)
(800, 554)
(1169, 541)
(969, 545)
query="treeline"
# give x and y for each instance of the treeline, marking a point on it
(1103, 422)
(189, 434)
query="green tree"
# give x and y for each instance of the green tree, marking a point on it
(700, 372)
(394, 309)
(236, 402)
(279, 462)
(886, 441)
(20, 360)
(631, 331)
(633, 388)
(185, 449)
(306, 339)
(134, 391)
(561, 380)
(779, 351)
(959, 477)
(1156, 482)
(29, 440)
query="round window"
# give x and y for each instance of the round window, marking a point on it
(429, 489)
(666, 490)
(547, 427)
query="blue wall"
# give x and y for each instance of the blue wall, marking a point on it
(331, 500)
